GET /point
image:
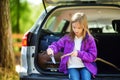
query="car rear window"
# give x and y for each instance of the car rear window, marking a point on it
(98, 17)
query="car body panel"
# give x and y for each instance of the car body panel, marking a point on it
(29, 53)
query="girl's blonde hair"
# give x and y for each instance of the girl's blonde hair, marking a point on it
(80, 17)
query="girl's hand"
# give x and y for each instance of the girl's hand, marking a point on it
(50, 51)
(74, 53)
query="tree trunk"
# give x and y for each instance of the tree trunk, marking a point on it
(6, 49)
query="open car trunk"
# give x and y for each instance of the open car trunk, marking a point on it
(103, 22)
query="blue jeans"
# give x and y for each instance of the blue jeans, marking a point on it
(79, 74)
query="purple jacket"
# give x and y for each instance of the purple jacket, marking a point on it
(87, 53)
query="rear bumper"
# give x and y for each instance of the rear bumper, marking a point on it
(54, 77)
(43, 77)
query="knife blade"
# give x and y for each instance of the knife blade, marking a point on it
(53, 59)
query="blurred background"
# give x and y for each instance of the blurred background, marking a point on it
(24, 13)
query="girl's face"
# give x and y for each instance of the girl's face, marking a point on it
(77, 28)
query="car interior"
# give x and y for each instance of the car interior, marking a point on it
(104, 25)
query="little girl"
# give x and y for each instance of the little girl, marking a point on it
(80, 50)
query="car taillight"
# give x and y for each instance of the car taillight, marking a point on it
(24, 40)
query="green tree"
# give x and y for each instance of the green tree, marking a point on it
(18, 9)
(23, 15)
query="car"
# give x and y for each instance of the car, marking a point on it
(54, 22)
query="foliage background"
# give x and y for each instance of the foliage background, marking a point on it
(23, 15)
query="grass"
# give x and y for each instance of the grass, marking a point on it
(6, 74)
